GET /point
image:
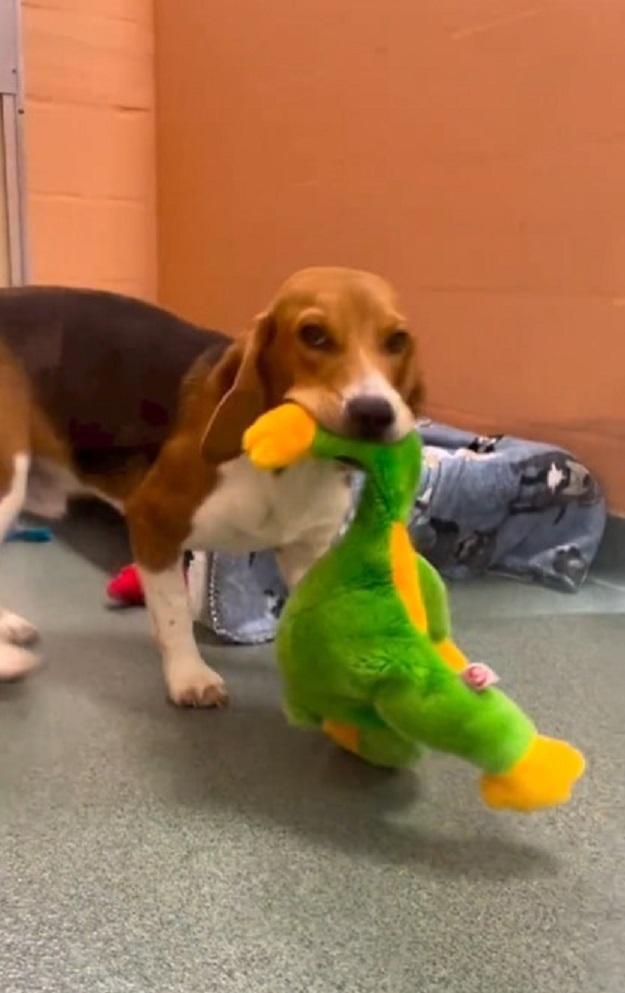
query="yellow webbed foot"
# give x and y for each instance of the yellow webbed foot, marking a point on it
(346, 736)
(544, 777)
(280, 437)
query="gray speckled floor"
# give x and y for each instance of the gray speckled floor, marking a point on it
(147, 849)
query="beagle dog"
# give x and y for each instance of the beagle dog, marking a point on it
(109, 396)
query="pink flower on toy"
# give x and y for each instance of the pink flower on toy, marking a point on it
(479, 676)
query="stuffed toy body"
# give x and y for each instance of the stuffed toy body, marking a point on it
(364, 643)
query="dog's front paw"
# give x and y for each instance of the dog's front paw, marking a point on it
(193, 684)
(280, 437)
(16, 629)
(16, 662)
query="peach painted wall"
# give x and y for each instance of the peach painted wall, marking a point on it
(472, 150)
(89, 76)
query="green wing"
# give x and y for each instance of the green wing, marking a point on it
(435, 599)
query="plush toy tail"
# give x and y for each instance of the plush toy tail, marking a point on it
(523, 771)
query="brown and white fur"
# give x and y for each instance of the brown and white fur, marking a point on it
(108, 396)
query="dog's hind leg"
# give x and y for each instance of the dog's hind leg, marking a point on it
(16, 634)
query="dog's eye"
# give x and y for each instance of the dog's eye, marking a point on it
(396, 342)
(315, 336)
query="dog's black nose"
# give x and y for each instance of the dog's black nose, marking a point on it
(370, 417)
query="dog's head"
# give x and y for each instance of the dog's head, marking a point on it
(334, 341)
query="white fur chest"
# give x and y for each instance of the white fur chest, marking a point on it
(250, 509)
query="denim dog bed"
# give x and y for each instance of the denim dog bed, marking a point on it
(496, 504)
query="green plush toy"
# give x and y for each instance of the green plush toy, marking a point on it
(364, 642)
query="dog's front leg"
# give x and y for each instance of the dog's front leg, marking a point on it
(190, 682)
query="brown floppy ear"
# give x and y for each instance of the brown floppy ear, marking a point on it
(245, 396)
(413, 387)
